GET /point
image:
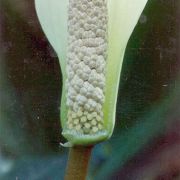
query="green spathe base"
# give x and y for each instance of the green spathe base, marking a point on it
(75, 138)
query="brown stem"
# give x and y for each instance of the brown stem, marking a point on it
(78, 161)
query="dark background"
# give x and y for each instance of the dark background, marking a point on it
(146, 141)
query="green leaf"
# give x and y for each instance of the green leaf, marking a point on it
(130, 141)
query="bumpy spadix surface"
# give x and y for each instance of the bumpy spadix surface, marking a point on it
(86, 64)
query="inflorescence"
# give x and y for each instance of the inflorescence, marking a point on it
(86, 62)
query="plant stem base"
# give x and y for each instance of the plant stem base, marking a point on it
(78, 160)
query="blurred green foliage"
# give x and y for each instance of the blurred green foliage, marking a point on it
(30, 89)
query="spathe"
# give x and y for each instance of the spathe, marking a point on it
(123, 16)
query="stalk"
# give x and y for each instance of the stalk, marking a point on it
(78, 161)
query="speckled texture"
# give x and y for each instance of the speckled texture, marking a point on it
(86, 61)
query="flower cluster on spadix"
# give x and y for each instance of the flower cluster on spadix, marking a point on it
(86, 63)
